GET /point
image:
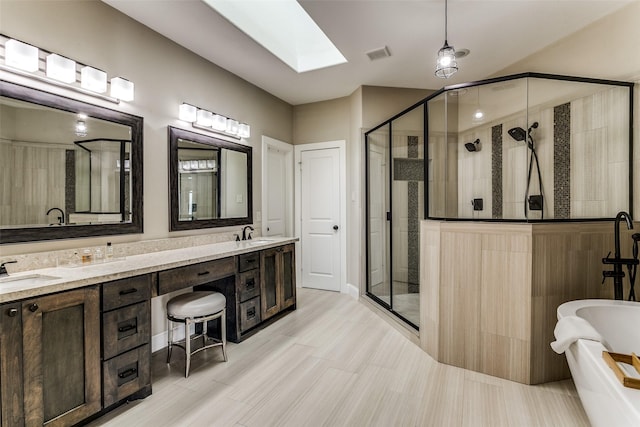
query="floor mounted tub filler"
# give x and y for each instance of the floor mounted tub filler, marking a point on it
(584, 330)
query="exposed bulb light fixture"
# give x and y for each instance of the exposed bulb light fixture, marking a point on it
(81, 128)
(29, 61)
(206, 120)
(478, 114)
(446, 64)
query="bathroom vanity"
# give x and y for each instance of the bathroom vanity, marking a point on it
(76, 341)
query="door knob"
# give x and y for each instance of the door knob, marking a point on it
(335, 227)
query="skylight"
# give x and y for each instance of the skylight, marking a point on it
(285, 29)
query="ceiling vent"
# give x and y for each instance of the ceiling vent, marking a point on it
(380, 53)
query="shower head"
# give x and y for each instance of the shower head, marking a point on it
(517, 133)
(473, 146)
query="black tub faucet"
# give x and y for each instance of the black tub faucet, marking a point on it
(617, 260)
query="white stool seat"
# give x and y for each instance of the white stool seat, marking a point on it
(195, 304)
(196, 307)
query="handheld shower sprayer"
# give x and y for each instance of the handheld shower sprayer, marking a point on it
(535, 202)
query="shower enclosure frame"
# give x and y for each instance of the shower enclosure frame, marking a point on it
(425, 139)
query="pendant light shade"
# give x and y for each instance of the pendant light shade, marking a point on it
(446, 64)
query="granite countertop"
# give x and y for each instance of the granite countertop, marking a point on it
(28, 284)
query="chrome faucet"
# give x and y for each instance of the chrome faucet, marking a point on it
(617, 260)
(3, 269)
(245, 235)
(60, 218)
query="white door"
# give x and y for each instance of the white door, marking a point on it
(277, 187)
(320, 218)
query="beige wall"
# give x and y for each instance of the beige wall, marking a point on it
(165, 75)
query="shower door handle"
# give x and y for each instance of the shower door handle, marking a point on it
(388, 216)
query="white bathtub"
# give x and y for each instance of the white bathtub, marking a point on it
(606, 402)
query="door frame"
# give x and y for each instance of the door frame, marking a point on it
(298, 149)
(288, 149)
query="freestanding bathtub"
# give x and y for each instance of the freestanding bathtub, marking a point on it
(606, 402)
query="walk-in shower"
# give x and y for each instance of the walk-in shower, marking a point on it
(546, 148)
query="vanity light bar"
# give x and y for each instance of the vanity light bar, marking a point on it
(204, 119)
(25, 60)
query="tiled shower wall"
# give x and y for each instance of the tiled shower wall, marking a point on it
(583, 153)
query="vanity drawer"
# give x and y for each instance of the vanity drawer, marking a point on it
(196, 274)
(126, 291)
(248, 261)
(249, 313)
(126, 328)
(248, 285)
(126, 374)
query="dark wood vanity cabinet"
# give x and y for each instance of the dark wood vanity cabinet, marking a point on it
(61, 357)
(126, 339)
(278, 284)
(248, 292)
(11, 395)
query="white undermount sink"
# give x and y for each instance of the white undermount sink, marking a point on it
(259, 241)
(31, 278)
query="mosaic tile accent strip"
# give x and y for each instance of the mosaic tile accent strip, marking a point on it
(562, 161)
(413, 227)
(496, 172)
(70, 183)
(415, 171)
(408, 169)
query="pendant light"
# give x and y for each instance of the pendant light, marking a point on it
(446, 65)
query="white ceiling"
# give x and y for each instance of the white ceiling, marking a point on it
(497, 32)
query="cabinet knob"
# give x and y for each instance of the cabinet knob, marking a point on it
(33, 307)
(13, 312)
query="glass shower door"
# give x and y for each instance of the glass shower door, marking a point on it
(395, 205)
(378, 227)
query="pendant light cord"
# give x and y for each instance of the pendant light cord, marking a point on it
(445, 22)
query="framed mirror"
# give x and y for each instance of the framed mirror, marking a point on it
(210, 181)
(69, 169)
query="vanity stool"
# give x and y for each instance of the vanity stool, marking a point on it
(192, 308)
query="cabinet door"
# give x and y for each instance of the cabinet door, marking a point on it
(270, 289)
(288, 276)
(11, 407)
(62, 357)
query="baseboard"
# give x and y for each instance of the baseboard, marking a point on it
(351, 290)
(159, 341)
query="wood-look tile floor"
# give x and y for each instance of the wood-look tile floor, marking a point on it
(334, 362)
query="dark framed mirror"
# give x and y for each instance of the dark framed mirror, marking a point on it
(209, 181)
(69, 169)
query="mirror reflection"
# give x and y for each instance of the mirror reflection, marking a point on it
(210, 182)
(66, 165)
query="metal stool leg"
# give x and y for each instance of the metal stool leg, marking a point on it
(223, 332)
(187, 345)
(170, 339)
